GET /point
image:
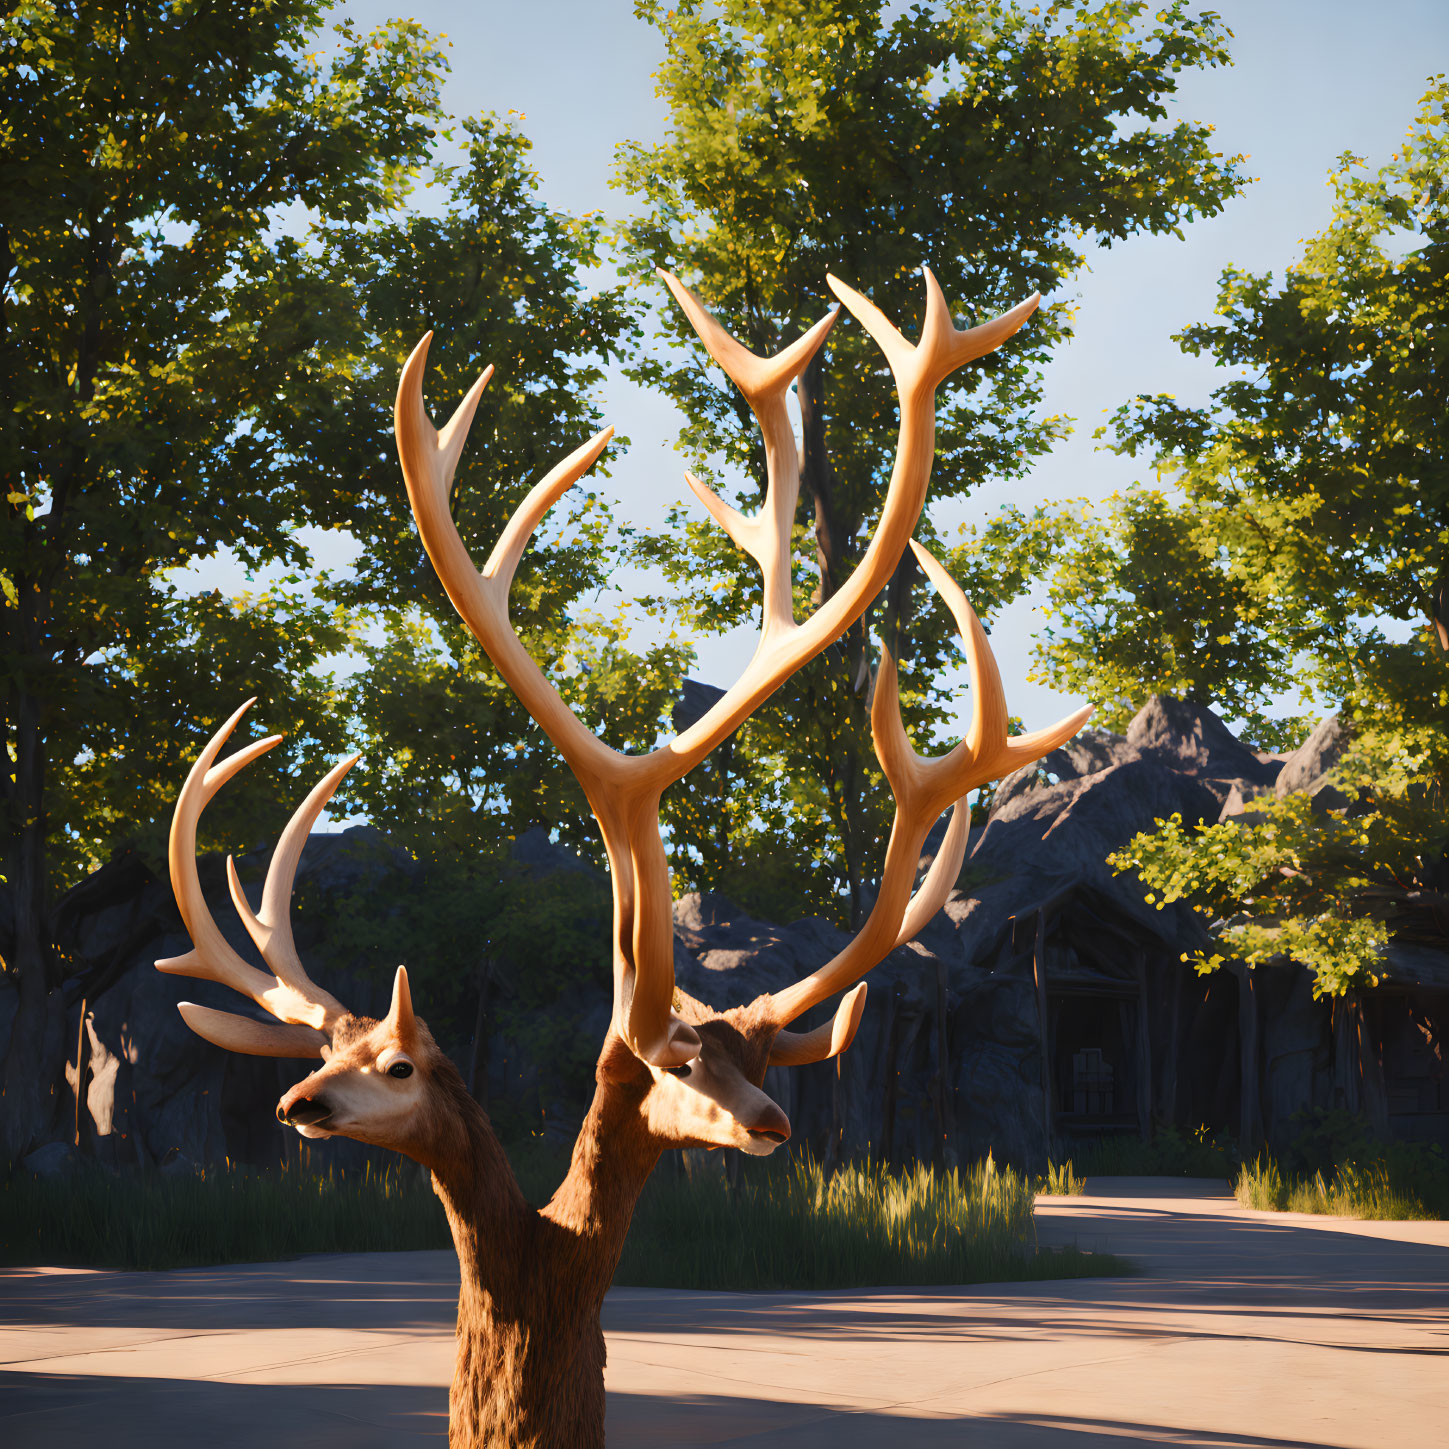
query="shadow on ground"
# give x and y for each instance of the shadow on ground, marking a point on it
(53, 1411)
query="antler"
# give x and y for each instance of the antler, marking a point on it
(624, 791)
(306, 1014)
(922, 788)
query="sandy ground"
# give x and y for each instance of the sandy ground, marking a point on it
(1242, 1331)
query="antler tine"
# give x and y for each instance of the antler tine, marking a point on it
(759, 378)
(796, 1048)
(272, 928)
(211, 958)
(943, 346)
(254, 1038)
(429, 459)
(765, 382)
(923, 787)
(988, 752)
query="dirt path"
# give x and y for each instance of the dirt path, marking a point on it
(1244, 1331)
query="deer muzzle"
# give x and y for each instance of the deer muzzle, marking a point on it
(308, 1112)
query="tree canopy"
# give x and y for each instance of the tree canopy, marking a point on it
(209, 285)
(1314, 496)
(993, 142)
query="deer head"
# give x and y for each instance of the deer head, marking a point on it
(698, 1072)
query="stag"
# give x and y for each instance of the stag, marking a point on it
(672, 1072)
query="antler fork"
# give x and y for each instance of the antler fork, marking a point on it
(306, 1014)
(624, 791)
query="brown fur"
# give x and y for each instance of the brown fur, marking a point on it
(530, 1363)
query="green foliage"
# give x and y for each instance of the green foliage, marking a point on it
(451, 759)
(1148, 601)
(1315, 479)
(156, 323)
(988, 140)
(1291, 879)
(1309, 513)
(1170, 1153)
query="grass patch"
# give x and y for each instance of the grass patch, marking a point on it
(1171, 1153)
(1379, 1188)
(1334, 1164)
(220, 1215)
(1062, 1181)
(778, 1226)
(791, 1226)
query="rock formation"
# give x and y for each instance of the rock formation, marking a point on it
(1046, 1000)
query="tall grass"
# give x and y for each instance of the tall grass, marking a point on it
(1351, 1190)
(221, 1215)
(795, 1226)
(792, 1226)
(1061, 1180)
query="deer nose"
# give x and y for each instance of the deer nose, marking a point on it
(303, 1113)
(771, 1123)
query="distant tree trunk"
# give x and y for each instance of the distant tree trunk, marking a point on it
(478, 1059)
(834, 535)
(36, 1052)
(1167, 1102)
(945, 1087)
(1249, 1120)
(1375, 1096)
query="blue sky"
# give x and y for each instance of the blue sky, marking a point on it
(1310, 80)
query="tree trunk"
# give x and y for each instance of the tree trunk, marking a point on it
(36, 1051)
(1249, 1120)
(834, 534)
(1439, 608)
(478, 1058)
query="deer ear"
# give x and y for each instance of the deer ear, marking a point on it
(400, 1020)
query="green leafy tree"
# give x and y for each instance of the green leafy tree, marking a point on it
(1145, 599)
(155, 326)
(993, 142)
(1319, 475)
(452, 760)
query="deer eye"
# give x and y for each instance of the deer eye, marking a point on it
(680, 1071)
(400, 1069)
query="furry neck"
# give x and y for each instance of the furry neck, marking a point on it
(472, 1177)
(612, 1159)
(530, 1366)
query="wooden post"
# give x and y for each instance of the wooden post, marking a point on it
(1375, 1095)
(1038, 963)
(946, 1098)
(1167, 1101)
(1250, 1119)
(1144, 1053)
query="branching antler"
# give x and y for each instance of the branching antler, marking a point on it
(306, 1015)
(923, 788)
(624, 791)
